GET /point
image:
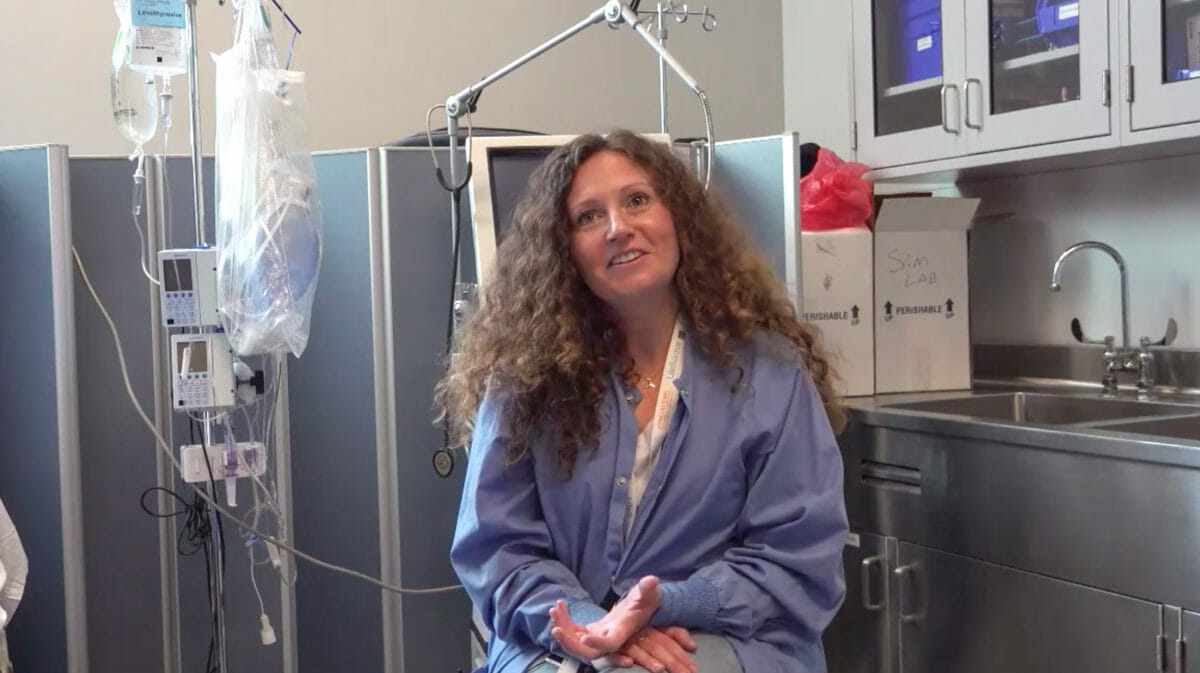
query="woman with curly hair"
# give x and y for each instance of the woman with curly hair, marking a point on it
(653, 477)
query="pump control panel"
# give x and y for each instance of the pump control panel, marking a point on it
(188, 287)
(202, 371)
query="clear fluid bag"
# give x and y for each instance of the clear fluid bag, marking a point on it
(134, 99)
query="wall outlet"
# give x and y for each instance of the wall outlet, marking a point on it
(252, 457)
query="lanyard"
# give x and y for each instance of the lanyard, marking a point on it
(668, 394)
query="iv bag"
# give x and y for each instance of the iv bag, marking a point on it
(134, 100)
(269, 222)
(158, 45)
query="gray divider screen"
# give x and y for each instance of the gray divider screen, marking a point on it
(118, 452)
(435, 627)
(331, 392)
(30, 468)
(757, 180)
(245, 650)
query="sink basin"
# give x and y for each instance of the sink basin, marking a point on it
(1044, 408)
(1179, 427)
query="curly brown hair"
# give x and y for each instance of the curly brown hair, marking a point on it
(543, 338)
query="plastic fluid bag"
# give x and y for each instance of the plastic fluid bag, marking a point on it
(269, 226)
(157, 41)
(834, 195)
(134, 100)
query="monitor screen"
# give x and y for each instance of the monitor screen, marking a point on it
(509, 170)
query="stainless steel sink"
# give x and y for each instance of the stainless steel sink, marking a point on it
(1045, 408)
(1179, 427)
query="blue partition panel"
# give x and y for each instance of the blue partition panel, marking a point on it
(125, 615)
(244, 648)
(331, 390)
(758, 181)
(435, 627)
(38, 432)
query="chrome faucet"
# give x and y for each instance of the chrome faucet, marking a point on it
(1055, 286)
(1125, 358)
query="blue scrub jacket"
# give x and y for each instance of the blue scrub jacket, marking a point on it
(743, 519)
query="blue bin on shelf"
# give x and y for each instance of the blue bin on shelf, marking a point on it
(921, 52)
(1055, 21)
(919, 55)
(914, 9)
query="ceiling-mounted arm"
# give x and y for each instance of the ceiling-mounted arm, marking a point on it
(614, 12)
(455, 107)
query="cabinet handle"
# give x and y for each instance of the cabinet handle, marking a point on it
(967, 108)
(945, 126)
(1180, 656)
(918, 614)
(867, 603)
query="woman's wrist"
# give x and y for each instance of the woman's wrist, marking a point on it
(692, 604)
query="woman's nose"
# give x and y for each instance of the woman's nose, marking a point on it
(618, 225)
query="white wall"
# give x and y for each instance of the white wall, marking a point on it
(817, 72)
(1148, 211)
(376, 66)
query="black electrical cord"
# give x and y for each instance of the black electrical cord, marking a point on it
(215, 597)
(210, 664)
(196, 535)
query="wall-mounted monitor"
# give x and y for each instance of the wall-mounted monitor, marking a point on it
(500, 170)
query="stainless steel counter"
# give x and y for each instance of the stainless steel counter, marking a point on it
(1047, 535)
(1102, 437)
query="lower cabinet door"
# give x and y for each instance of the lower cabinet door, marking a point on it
(957, 614)
(1187, 652)
(857, 639)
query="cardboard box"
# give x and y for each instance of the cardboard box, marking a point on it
(836, 277)
(922, 311)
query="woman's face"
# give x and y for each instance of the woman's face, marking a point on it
(622, 235)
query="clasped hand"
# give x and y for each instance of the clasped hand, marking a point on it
(624, 636)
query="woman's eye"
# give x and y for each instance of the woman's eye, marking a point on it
(639, 200)
(586, 217)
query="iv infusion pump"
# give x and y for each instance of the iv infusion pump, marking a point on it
(201, 363)
(202, 371)
(188, 287)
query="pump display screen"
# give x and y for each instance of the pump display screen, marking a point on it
(193, 362)
(177, 275)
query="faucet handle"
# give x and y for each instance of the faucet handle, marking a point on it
(1077, 332)
(1168, 338)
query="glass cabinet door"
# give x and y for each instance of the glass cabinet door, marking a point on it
(1181, 40)
(908, 69)
(908, 65)
(1037, 72)
(1164, 46)
(1035, 54)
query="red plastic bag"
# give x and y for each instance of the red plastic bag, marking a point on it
(834, 195)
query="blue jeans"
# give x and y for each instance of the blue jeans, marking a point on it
(713, 655)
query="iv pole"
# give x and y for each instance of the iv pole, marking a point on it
(217, 588)
(681, 14)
